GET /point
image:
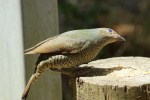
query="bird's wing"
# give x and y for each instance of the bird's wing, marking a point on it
(40, 43)
(58, 44)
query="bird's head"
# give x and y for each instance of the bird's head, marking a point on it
(107, 35)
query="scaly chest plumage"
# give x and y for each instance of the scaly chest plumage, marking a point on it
(69, 60)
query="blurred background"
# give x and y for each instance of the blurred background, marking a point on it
(129, 18)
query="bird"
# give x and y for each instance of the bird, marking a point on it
(69, 49)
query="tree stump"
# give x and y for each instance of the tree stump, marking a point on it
(120, 78)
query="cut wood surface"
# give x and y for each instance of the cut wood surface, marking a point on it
(120, 78)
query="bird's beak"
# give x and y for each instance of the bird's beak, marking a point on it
(120, 38)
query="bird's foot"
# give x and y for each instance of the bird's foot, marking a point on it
(62, 72)
(81, 69)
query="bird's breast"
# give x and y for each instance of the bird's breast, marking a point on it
(69, 60)
(87, 54)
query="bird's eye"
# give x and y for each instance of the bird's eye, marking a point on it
(109, 30)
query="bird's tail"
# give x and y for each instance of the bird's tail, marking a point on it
(32, 80)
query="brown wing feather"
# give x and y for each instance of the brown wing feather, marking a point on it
(54, 45)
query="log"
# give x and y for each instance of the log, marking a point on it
(120, 78)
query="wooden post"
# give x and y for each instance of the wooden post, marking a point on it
(12, 80)
(40, 21)
(122, 78)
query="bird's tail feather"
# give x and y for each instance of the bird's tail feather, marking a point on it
(32, 80)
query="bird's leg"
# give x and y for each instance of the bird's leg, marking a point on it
(62, 72)
(39, 71)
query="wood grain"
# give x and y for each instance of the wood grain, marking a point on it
(121, 78)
